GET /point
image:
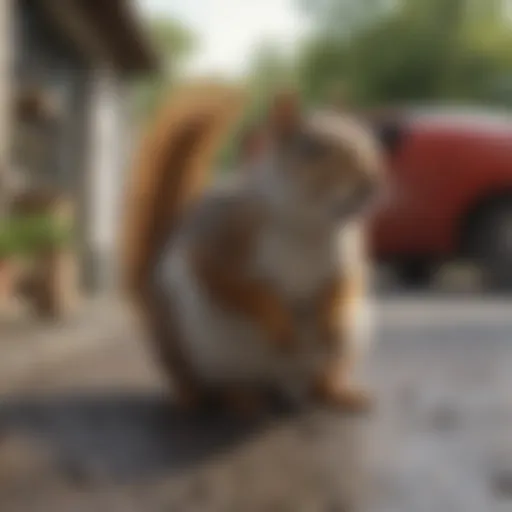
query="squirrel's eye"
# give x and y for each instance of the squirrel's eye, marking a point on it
(312, 149)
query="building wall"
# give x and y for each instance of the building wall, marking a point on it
(85, 150)
(6, 52)
(108, 159)
(50, 153)
(85, 154)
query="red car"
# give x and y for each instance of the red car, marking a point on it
(451, 191)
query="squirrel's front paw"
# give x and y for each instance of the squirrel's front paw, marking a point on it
(351, 400)
(346, 398)
(332, 331)
(245, 402)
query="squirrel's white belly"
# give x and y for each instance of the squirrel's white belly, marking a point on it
(299, 269)
(223, 347)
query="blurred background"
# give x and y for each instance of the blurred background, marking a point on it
(79, 81)
(434, 76)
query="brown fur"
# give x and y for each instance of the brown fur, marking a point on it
(171, 170)
(329, 308)
(334, 306)
(221, 265)
(169, 174)
(168, 177)
(334, 384)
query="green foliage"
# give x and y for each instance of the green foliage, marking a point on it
(174, 44)
(323, 62)
(269, 70)
(341, 19)
(379, 51)
(8, 245)
(26, 235)
(409, 50)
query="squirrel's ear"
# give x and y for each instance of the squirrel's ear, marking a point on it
(284, 115)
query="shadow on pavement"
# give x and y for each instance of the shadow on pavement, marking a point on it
(125, 436)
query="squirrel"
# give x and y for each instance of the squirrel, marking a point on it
(259, 282)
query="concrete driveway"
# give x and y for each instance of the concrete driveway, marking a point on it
(96, 432)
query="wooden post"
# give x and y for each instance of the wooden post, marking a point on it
(8, 277)
(54, 284)
(58, 286)
(56, 292)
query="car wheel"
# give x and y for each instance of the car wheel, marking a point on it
(492, 246)
(414, 274)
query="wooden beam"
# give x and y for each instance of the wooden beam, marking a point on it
(69, 18)
(107, 31)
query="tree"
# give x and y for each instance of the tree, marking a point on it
(175, 44)
(269, 70)
(341, 19)
(409, 50)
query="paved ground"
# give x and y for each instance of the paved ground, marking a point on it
(96, 433)
(28, 345)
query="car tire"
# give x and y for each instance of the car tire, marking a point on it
(491, 246)
(414, 274)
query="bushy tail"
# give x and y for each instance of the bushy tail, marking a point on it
(170, 171)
